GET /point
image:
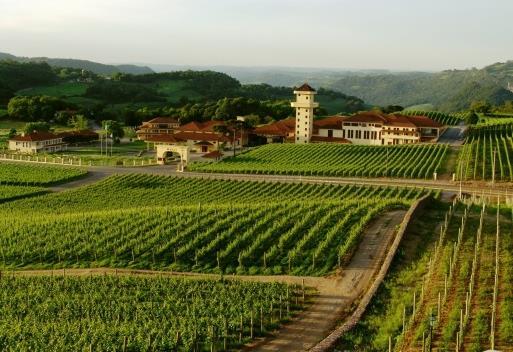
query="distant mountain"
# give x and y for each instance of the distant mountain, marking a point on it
(95, 67)
(447, 90)
(275, 76)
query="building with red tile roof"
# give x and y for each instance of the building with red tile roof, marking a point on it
(37, 142)
(370, 127)
(157, 126)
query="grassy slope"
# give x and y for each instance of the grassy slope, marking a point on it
(59, 90)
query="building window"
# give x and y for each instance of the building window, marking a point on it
(330, 133)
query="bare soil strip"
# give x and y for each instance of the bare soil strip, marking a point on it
(337, 294)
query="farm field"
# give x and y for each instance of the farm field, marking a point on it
(9, 193)
(476, 160)
(454, 283)
(408, 161)
(18, 174)
(225, 226)
(123, 313)
(58, 90)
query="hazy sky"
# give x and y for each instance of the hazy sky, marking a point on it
(393, 34)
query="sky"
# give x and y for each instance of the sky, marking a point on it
(354, 34)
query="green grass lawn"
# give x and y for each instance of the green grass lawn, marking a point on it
(8, 124)
(59, 90)
(174, 90)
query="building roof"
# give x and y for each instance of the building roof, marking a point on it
(81, 133)
(161, 119)
(203, 143)
(395, 120)
(199, 136)
(304, 88)
(279, 128)
(207, 126)
(368, 117)
(35, 137)
(424, 121)
(331, 122)
(164, 138)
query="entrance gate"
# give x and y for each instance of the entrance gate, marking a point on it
(183, 151)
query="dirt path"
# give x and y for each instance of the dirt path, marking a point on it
(337, 294)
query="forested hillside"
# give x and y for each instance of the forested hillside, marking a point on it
(33, 91)
(98, 68)
(452, 90)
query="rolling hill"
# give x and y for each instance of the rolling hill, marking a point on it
(95, 67)
(451, 90)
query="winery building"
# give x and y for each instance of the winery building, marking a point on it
(367, 128)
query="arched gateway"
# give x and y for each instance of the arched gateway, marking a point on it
(183, 151)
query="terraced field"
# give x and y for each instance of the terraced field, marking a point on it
(407, 161)
(142, 221)
(487, 153)
(461, 282)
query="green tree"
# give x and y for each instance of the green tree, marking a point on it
(481, 106)
(36, 127)
(114, 129)
(78, 122)
(35, 108)
(472, 118)
(12, 133)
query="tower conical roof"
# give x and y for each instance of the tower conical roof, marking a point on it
(305, 88)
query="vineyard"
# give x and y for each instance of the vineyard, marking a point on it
(297, 238)
(10, 193)
(18, 174)
(443, 118)
(457, 295)
(121, 313)
(407, 161)
(488, 148)
(138, 191)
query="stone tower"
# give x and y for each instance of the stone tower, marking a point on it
(304, 105)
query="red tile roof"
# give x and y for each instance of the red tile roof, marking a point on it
(35, 137)
(397, 120)
(164, 120)
(199, 136)
(207, 126)
(304, 88)
(164, 138)
(424, 121)
(331, 122)
(367, 116)
(279, 128)
(203, 143)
